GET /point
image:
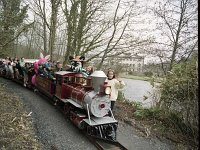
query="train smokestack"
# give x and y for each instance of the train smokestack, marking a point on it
(98, 78)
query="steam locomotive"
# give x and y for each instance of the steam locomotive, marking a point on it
(84, 100)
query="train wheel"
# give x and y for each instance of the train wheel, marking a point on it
(35, 90)
(111, 132)
(67, 109)
(55, 100)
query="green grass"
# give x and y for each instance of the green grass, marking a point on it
(143, 78)
(136, 77)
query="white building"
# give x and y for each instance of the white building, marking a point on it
(128, 62)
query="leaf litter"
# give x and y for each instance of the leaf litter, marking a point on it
(16, 128)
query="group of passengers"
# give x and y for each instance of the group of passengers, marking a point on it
(15, 68)
(19, 69)
(48, 69)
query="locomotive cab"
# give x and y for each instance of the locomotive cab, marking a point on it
(66, 81)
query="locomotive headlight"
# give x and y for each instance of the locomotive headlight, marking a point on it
(107, 90)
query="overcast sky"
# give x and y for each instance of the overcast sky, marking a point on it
(144, 24)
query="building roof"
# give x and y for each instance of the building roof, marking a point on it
(129, 55)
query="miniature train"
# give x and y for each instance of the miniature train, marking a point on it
(84, 100)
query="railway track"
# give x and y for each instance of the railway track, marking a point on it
(106, 144)
(101, 144)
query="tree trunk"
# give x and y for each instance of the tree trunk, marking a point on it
(44, 30)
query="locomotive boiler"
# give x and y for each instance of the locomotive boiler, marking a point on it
(85, 100)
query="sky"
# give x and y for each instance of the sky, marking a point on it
(144, 25)
(145, 22)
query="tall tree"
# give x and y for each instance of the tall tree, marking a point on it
(88, 25)
(44, 28)
(179, 27)
(109, 46)
(40, 7)
(53, 22)
(12, 16)
(71, 15)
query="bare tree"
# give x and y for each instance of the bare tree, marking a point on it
(53, 22)
(39, 7)
(115, 23)
(179, 27)
(89, 28)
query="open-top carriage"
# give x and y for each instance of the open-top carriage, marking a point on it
(23, 75)
(17, 73)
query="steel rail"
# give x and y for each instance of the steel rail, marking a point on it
(103, 144)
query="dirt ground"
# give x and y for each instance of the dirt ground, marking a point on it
(16, 130)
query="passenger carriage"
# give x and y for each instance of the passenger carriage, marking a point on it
(29, 73)
(19, 78)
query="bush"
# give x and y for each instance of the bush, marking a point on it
(148, 73)
(151, 113)
(179, 95)
(121, 96)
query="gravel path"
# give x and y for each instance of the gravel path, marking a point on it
(58, 133)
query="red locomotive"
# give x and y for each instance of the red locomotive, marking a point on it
(84, 100)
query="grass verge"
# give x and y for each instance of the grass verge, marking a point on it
(143, 78)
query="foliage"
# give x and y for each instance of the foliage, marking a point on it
(12, 15)
(148, 73)
(121, 96)
(125, 108)
(152, 113)
(177, 110)
(171, 122)
(179, 95)
(180, 90)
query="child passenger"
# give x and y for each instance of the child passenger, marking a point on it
(116, 85)
(89, 70)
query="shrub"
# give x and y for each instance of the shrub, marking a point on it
(148, 73)
(151, 113)
(179, 95)
(121, 96)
